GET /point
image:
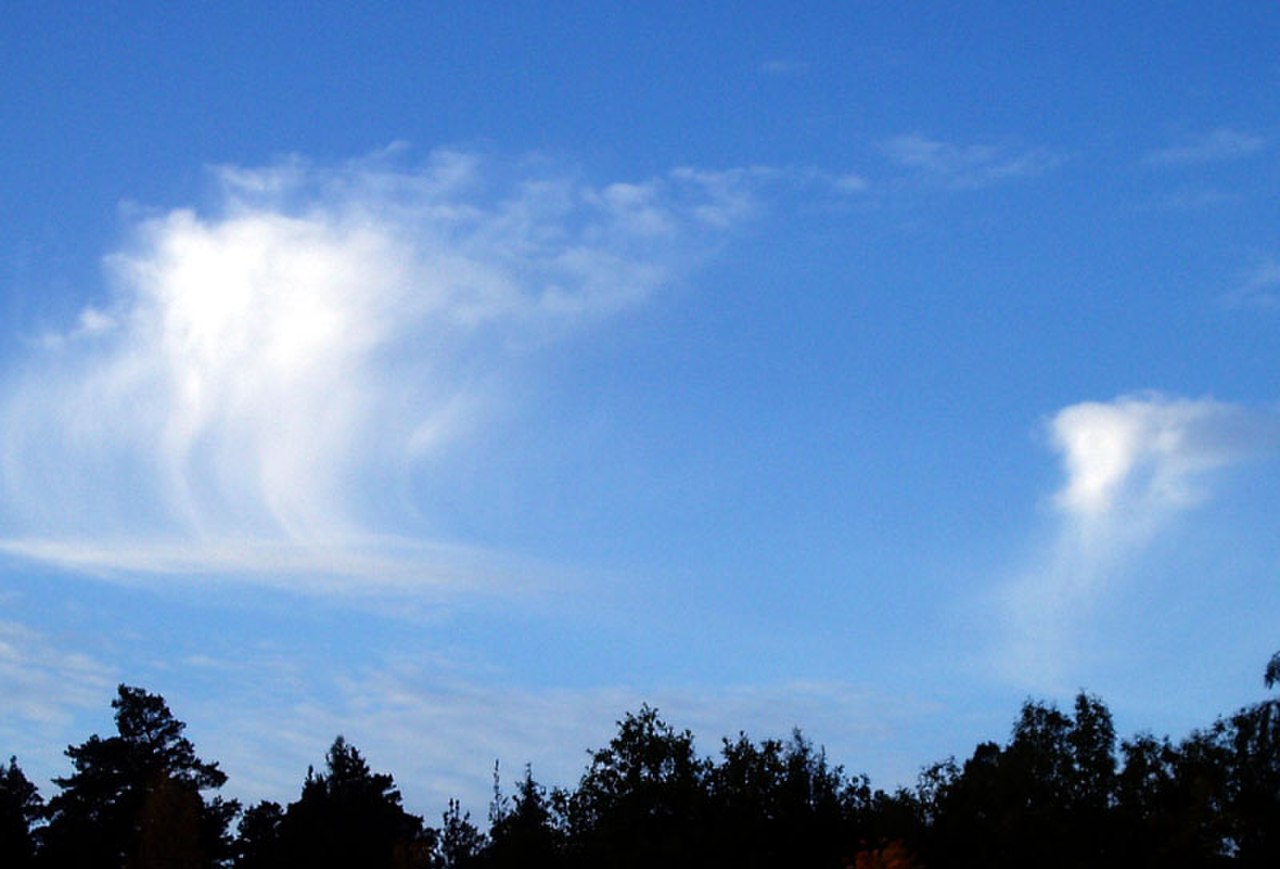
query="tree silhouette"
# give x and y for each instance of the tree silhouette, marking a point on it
(779, 804)
(1250, 740)
(20, 808)
(134, 799)
(1163, 822)
(258, 843)
(1044, 800)
(524, 832)
(460, 842)
(747, 794)
(643, 800)
(346, 816)
(1053, 796)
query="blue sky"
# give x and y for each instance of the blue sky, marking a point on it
(457, 378)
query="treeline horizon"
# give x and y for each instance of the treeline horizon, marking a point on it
(1063, 791)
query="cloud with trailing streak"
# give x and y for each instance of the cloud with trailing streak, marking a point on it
(1130, 466)
(263, 369)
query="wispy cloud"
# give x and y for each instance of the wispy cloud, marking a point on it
(440, 726)
(1260, 287)
(264, 369)
(739, 192)
(1215, 146)
(965, 166)
(779, 67)
(46, 687)
(40, 681)
(1129, 466)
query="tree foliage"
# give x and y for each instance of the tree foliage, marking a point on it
(1062, 792)
(460, 841)
(347, 815)
(642, 800)
(527, 830)
(20, 808)
(135, 799)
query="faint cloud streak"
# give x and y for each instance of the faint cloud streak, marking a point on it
(440, 727)
(1260, 287)
(962, 167)
(782, 68)
(46, 688)
(41, 681)
(1213, 147)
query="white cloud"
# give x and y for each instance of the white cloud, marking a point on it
(1129, 466)
(1215, 146)
(1143, 454)
(263, 367)
(964, 166)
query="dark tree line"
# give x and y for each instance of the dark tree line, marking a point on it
(1063, 791)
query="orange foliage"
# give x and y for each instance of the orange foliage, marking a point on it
(892, 855)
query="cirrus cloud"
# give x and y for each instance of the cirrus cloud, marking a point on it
(261, 370)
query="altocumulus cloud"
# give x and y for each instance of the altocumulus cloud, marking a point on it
(262, 367)
(1130, 466)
